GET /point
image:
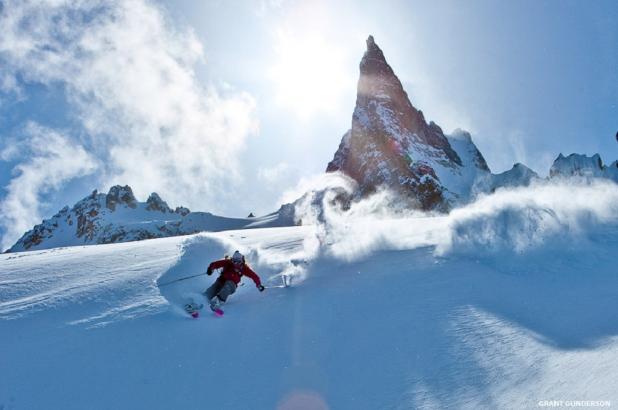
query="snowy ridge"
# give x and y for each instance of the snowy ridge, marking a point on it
(583, 166)
(458, 325)
(119, 217)
(519, 175)
(460, 180)
(391, 145)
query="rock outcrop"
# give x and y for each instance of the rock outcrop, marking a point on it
(118, 217)
(120, 195)
(391, 144)
(583, 166)
(155, 203)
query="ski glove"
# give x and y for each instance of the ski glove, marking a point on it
(261, 288)
(209, 271)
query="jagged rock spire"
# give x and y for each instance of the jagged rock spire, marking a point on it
(155, 203)
(120, 195)
(390, 143)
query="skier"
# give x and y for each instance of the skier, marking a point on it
(226, 283)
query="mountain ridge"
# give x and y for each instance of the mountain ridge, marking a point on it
(118, 217)
(390, 144)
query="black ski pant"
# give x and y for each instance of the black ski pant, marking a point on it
(221, 288)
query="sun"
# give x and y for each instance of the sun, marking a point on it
(309, 74)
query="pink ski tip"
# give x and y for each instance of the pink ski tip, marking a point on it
(218, 312)
(195, 314)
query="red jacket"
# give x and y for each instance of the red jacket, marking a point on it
(231, 272)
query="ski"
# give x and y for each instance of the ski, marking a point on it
(193, 309)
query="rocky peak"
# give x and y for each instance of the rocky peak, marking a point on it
(462, 136)
(96, 219)
(155, 203)
(379, 84)
(576, 164)
(582, 166)
(120, 195)
(390, 142)
(519, 175)
(374, 63)
(181, 210)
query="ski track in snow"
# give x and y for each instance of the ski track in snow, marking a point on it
(368, 323)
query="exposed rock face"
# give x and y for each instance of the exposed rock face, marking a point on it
(155, 203)
(119, 217)
(86, 212)
(181, 210)
(583, 166)
(120, 195)
(390, 143)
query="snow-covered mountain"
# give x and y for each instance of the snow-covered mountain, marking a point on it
(118, 217)
(583, 166)
(391, 144)
(519, 175)
(507, 303)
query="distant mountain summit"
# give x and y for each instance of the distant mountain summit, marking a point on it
(118, 217)
(390, 143)
(583, 166)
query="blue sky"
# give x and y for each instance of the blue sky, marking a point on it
(225, 106)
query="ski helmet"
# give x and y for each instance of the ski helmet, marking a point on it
(238, 258)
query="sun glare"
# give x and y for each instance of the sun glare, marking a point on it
(309, 74)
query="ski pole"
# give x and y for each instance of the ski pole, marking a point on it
(178, 280)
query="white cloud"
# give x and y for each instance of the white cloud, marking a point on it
(129, 78)
(10, 86)
(10, 151)
(52, 160)
(266, 6)
(273, 174)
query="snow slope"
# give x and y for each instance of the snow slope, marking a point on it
(504, 303)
